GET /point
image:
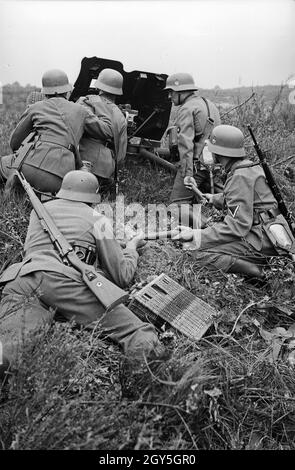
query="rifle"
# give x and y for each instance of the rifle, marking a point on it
(106, 292)
(272, 184)
(26, 146)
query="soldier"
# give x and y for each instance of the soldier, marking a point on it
(57, 126)
(42, 281)
(193, 110)
(242, 242)
(105, 154)
(7, 161)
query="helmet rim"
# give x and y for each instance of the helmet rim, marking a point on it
(77, 196)
(226, 151)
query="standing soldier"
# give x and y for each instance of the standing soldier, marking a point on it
(52, 129)
(106, 154)
(243, 241)
(193, 112)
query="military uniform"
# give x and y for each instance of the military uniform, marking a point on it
(190, 120)
(102, 152)
(246, 197)
(42, 280)
(59, 125)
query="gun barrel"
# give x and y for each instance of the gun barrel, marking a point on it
(151, 156)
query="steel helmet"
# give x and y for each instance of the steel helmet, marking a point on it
(227, 141)
(180, 82)
(54, 82)
(111, 81)
(79, 186)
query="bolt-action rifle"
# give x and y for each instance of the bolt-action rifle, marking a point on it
(106, 292)
(272, 184)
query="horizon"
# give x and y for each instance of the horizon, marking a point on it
(27, 85)
(224, 43)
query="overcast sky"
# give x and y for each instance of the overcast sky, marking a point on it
(220, 42)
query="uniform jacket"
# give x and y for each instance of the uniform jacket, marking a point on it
(77, 222)
(58, 124)
(191, 119)
(95, 149)
(246, 192)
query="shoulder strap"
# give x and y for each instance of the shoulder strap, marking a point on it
(242, 165)
(207, 106)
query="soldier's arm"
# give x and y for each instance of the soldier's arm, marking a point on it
(119, 264)
(97, 126)
(22, 130)
(239, 219)
(186, 136)
(122, 143)
(218, 200)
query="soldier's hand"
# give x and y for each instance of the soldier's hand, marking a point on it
(136, 242)
(189, 182)
(209, 197)
(185, 234)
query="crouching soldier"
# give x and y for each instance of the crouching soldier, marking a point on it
(105, 154)
(243, 242)
(42, 283)
(47, 136)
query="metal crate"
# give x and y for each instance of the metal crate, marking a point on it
(165, 301)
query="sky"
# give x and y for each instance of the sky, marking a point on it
(228, 43)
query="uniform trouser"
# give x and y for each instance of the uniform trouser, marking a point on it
(41, 179)
(185, 198)
(223, 257)
(21, 313)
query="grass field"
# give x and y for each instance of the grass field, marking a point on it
(234, 389)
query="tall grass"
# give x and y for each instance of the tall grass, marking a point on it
(234, 389)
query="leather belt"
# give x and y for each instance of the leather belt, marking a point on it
(52, 140)
(106, 143)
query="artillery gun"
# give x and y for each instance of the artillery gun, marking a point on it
(144, 103)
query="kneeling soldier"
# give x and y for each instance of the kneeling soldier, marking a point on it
(242, 242)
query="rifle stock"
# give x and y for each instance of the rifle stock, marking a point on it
(26, 146)
(106, 292)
